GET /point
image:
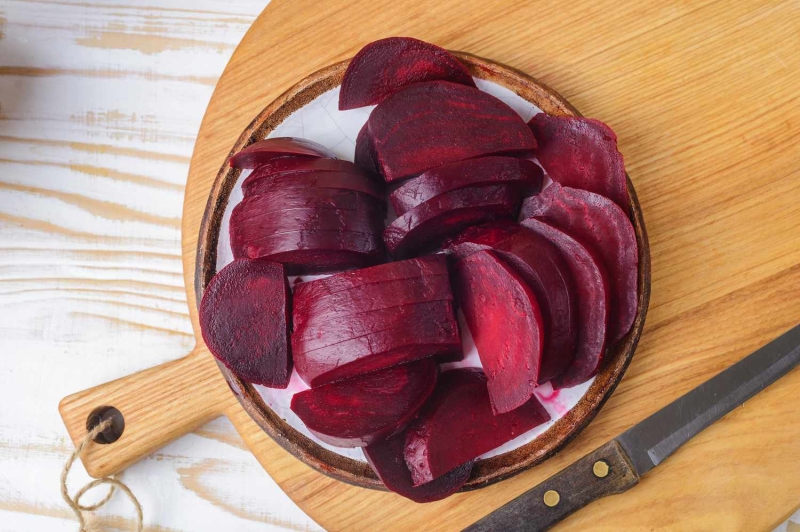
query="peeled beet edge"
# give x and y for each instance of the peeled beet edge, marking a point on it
(245, 318)
(494, 170)
(280, 199)
(365, 157)
(425, 226)
(321, 179)
(384, 66)
(387, 460)
(269, 149)
(250, 222)
(285, 166)
(591, 282)
(581, 153)
(457, 425)
(393, 271)
(598, 223)
(367, 408)
(429, 124)
(437, 336)
(546, 273)
(505, 321)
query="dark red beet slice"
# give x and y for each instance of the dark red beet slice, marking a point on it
(387, 460)
(425, 226)
(266, 150)
(596, 222)
(591, 282)
(245, 318)
(379, 350)
(336, 180)
(393, 271)
(385, 66)
(581, 153)
(496, 170)
(506, 324)
(327, 198)
(365, 157)
(367, 408)
(457, 425)
(546, 272)
(371, 297)
(426, 125)
(285, 166)
(250, 221)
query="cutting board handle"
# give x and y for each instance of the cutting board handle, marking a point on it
(157, 405)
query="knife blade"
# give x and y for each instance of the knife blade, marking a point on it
(616, 466)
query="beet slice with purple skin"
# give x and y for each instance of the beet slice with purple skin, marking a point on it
(581, 153)
(387, 460)
(337, 180)
(493, 170)
(285, 166)
(266, 150)
(249, 221)
(365, 157)
(429, 124)
(506, 324)
(385, 66)
(245, 317)
(546, 272)
(367, 408)
(437, 336)
(393, 271)
(327, 198)
(598, 223)
(424, 227)
(591, 283)
(457, 425)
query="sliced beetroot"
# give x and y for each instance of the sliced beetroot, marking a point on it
(429, 124)
(438, 336)
(393, 271)
(581, 153)
(250, 221)
(505, 321)
(365, 157)
(598, 223)
(387, 460)
(494, 170)
(591, 283)
(285, 166)
(385, 66)
(245, 318)
(457, 425)
(265, 184)
(367, 408)
(371, 297)
(425, 226)
(327, 198)
(266, 150)
(547, 274)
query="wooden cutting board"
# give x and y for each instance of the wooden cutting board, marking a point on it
(704, 98)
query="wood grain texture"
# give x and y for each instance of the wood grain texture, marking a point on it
(702, 96)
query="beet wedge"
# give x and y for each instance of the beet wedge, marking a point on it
(266, 184)
(546, 272)
(266, 150)
(581, 153)
(393, 271)
(592, 289)
(598, 223)
(280, 199)
(505, 321)
(457, 425)
(285, 166)
(367, 408)
(245, 318)
(493, 170)
(249, 221)
(385, 66)
(426, 226)
(365, 157)
(438, 336)
(387, 460)
(426, 125)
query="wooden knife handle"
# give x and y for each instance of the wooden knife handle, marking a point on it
(156, 405)
(605, 471)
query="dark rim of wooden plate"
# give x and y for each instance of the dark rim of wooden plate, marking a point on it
(486, 471)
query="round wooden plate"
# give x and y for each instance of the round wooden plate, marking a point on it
(486, 471)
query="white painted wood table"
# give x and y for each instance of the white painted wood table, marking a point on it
(100, 102)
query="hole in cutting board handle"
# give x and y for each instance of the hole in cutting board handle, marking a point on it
(114, 431)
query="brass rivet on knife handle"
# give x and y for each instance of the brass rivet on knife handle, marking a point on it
(605, 471)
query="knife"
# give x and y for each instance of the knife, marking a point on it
(617, 466)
